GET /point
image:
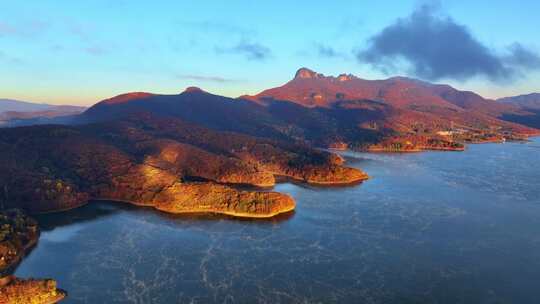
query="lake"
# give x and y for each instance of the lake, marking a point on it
(435, 227)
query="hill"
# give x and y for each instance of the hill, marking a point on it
(156, 161)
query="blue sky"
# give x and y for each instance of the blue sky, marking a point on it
(79, 52)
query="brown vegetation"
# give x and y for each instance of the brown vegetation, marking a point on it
(156, 161)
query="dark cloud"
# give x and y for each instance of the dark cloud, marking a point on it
(434, 46)
(251, 50)
(218, 79)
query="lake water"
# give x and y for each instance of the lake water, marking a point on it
(436, 227)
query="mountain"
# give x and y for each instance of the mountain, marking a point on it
(345, 111)
(19, 113)
(529, 106)
(193, 105)
(412, 103)
(312, 89)
(285, 121)
(529, 101)
(8, 105)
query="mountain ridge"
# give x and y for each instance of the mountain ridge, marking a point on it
(531, 100)
(13, 105)
(330, 111)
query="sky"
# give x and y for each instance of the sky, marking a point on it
(80, 52)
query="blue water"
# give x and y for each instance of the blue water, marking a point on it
(435, 227)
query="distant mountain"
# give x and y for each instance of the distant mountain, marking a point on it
(312, 89)
(11, 105)
(8, 105)
(343, 111)
(412, 103)
(19, 113)
(529, 101)
(530, 109)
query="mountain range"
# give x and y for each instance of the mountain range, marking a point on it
(344, 111)
(17, 113)
(197, 152)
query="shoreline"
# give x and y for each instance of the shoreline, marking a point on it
(239, 215)
(31, 235)
(355, 181)
(280, 178)
(288, 179)
(421, 149)
(21, 234)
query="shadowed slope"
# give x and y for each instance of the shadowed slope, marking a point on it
(194, 106)
(529, 106)
(161, 162)
(528, 101)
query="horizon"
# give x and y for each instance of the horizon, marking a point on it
(81, 53)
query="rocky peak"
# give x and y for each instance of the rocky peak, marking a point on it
(305, 73)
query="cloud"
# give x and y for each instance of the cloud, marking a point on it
(326, 51)
(521, 56)
(435, 47)
(251, 50)
(218, 79)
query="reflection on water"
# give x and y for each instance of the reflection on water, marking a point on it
(431, 227)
